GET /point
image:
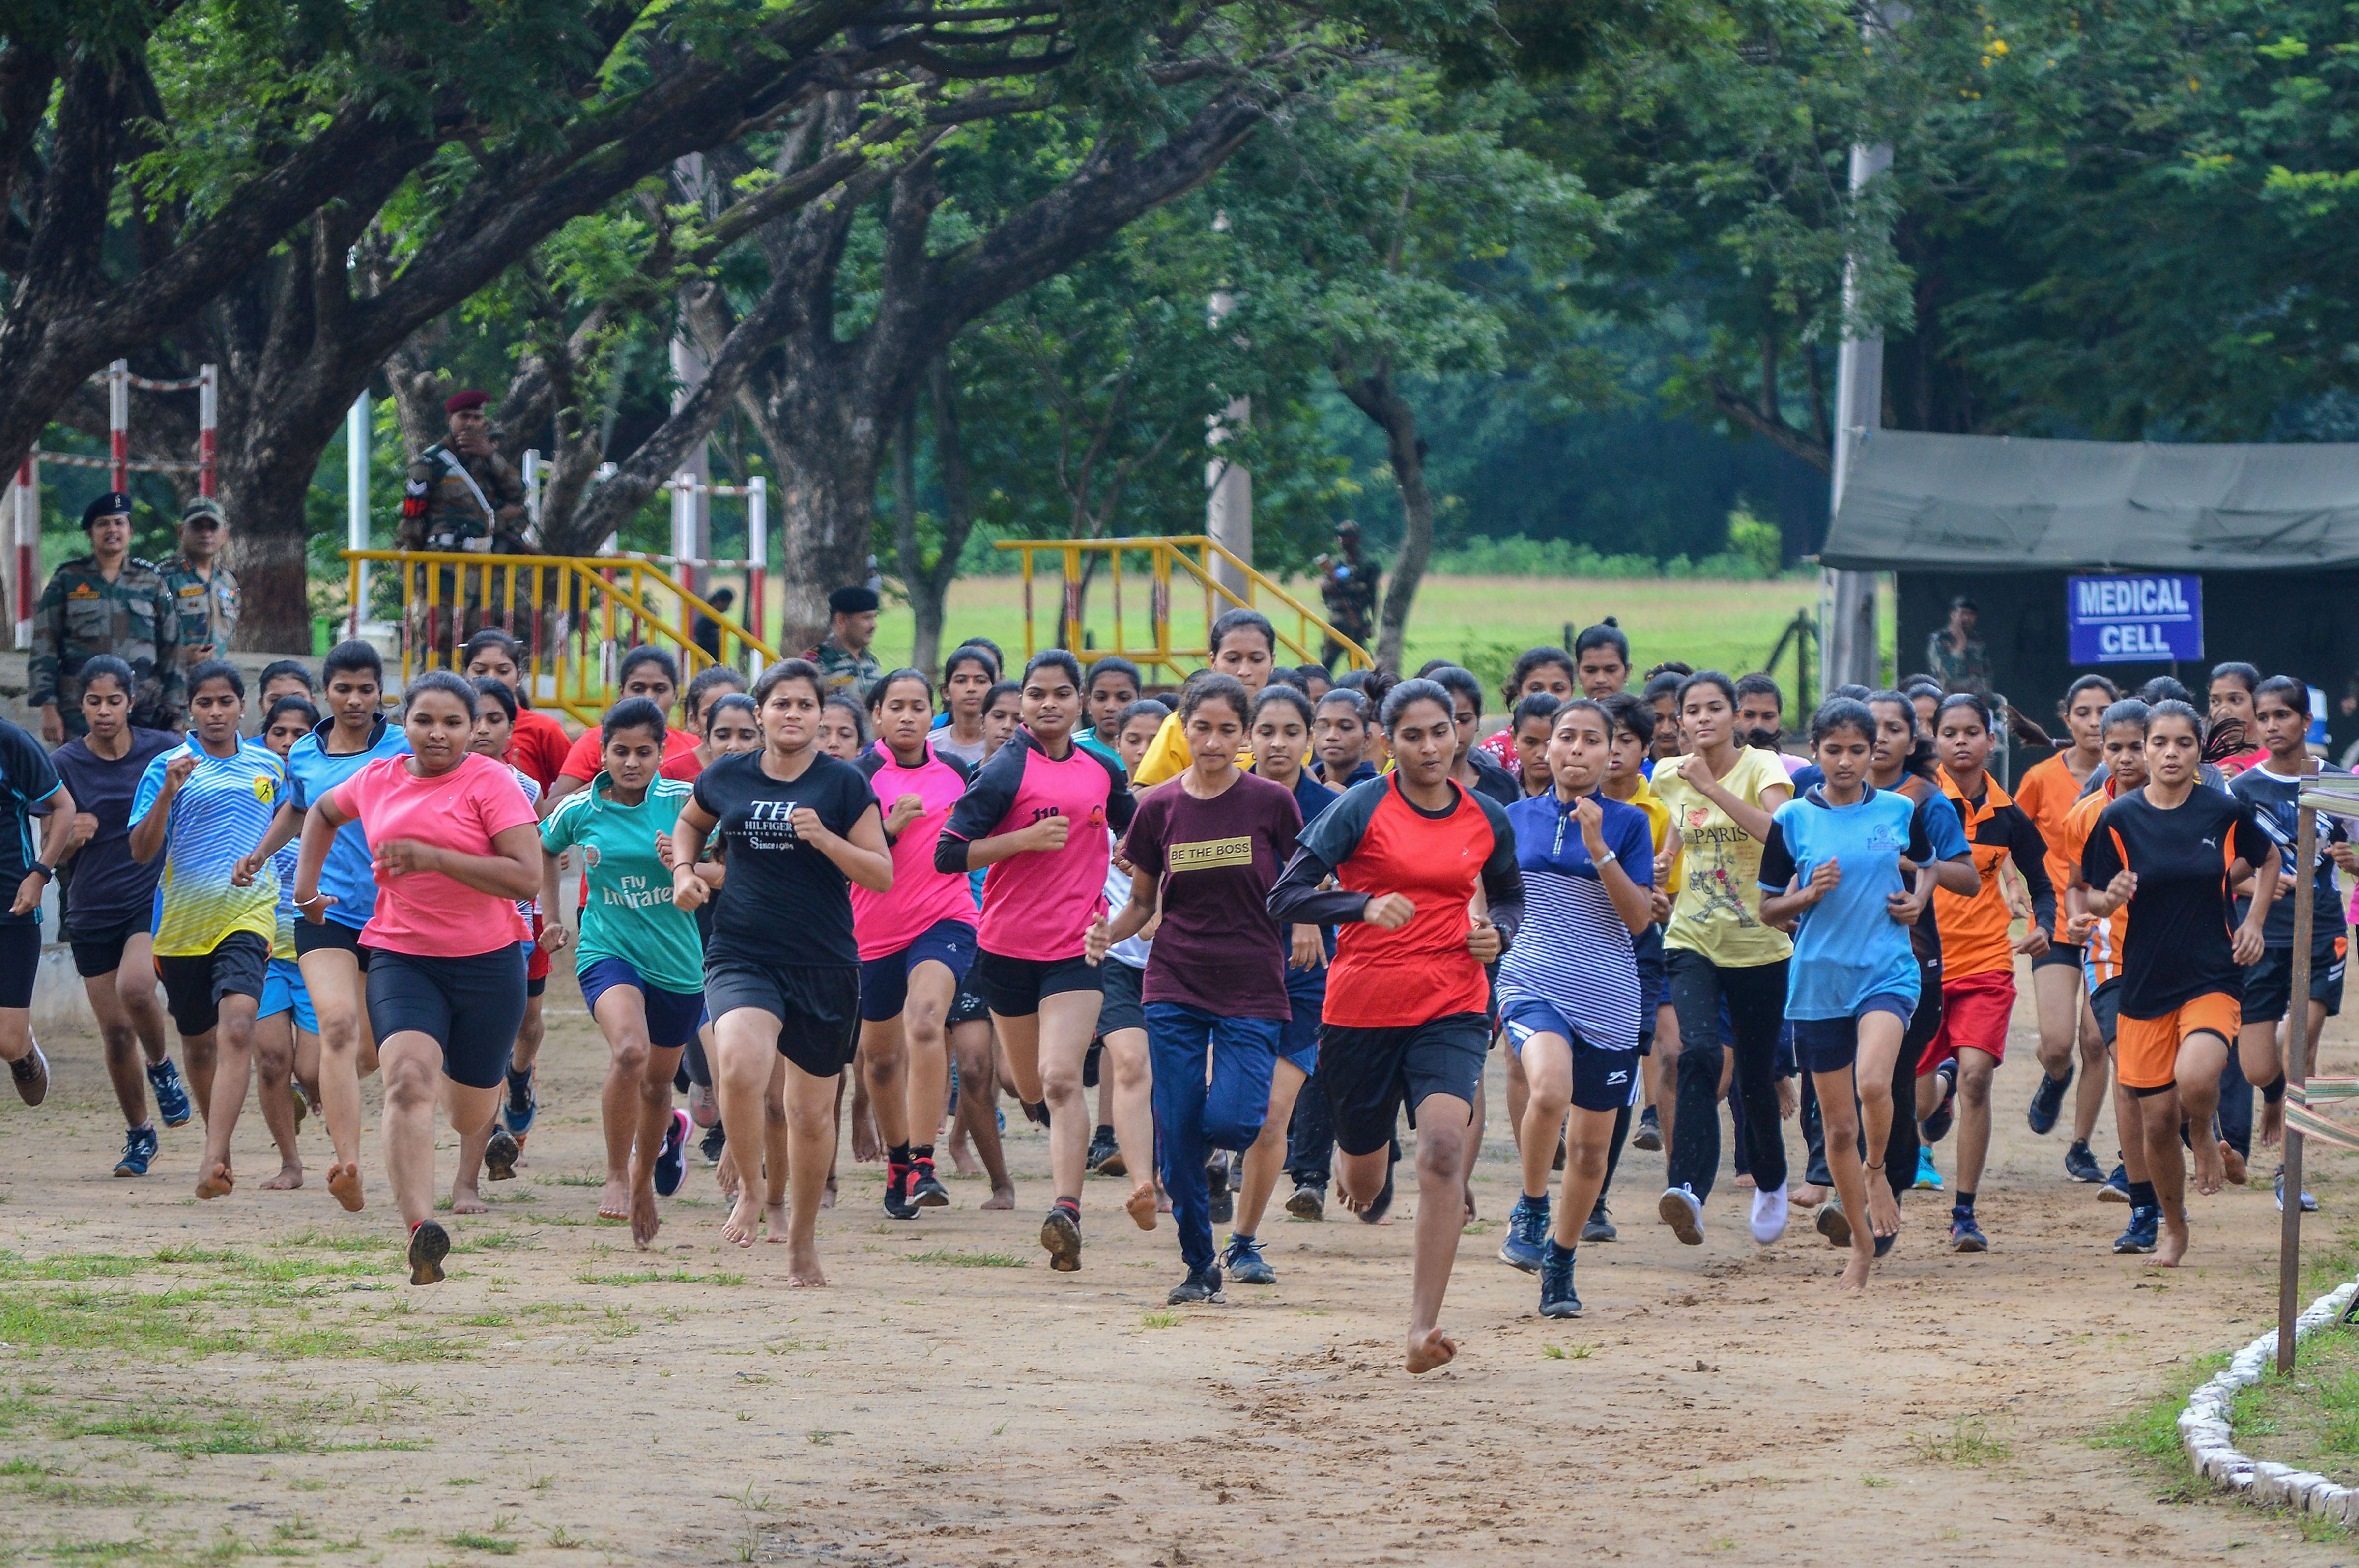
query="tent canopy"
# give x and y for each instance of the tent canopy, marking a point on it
(1915, 501)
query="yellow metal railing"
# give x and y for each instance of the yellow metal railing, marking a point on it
(575, 615)
(1193, 559)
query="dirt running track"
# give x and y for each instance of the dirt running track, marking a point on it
(270, 1384)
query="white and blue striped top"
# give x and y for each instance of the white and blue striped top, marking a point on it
(1573, 950)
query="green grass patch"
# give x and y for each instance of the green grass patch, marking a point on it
(68, 1266)
(475, 1540)
(948, 1259)
(127, 1323)
(2311, 1419)
(186, 1428)
(1158, 1320)
(659, 1277)
(1969, 1442)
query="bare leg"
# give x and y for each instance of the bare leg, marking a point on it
(622, 1014)
(2158, 1120)
(979, 1105)
(1665, 1058)
(810, 1130)
(1019, 1052)
(925, 1050)
(1974, 1068)
(200, 1052)
(1880, 1039)
(274, 1050)
(1588, 1135)
(654, 1124)
(1841, 1127)
(1129, 1074)
(2056, 994)
(135, 987)
(334, 978)
(744, 1055)
(307, 1066)
(1519, 1095)
(412, 1064)
(1267, 1158)
(124, 1069)
(1473, 1152)
(884, 1082)
(233, 1042)
(866, 1147)
(466, 1182)
(1547, 1072)
(1062, 1030)
(2130, 1124)
(2203, 1057)
(1444, 1124)
(2089, 1095)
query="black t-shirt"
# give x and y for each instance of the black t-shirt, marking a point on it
(27, 780)
(2176, 945)
(783, 904)
(2278, 811)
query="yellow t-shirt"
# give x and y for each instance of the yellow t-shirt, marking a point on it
(1718, 913)
(1168, 756)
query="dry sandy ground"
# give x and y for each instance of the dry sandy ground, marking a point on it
(255, 1375)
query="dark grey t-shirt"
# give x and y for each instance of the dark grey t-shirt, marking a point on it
(105, 887)
(784, 904)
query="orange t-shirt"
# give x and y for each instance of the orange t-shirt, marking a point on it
(2048, 792)
(1975, 938)
(2100, 960)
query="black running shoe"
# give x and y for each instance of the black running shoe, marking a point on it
(1308, 1202)
(1101, 1145)
(1037, 1115)
(897, 1193)
(1216, 1183)
(1834, 1224)
(1557, 1297)
(1201, 1285)
(500, 1155)
(2081, 1165)
(1648, 1133)
(2047, 1102)
(716, 1139)
(428, 1244)
(671, 1164)
(1060, 1235)
(1601, 1224)
(1936, 1126)
(925, 1189)
(1376, 1211)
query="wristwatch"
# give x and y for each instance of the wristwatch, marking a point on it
(1602, 861)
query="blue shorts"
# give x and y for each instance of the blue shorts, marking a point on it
(1831, 1044)
(282, 992)
(1603, 1079)
(672, 1016)
(1298, 1037)
(885, 982)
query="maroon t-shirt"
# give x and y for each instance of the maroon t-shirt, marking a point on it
(1217, 948)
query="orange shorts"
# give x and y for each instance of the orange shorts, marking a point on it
(2146, 1050)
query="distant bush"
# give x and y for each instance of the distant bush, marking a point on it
(1517, 555)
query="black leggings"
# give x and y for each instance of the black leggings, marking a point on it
(1756, 1009)
(1900, 1147)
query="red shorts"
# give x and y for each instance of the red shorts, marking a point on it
(537, 967)
(1974, 1010)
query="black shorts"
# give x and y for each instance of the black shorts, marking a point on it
(2268, 982)
(194, 985)
(1124, 1007)
(817, 1007)
(2059, 953)
(1372, 1073)
(2105, 1006)
(968, 1006)
(472, 1007)
(1014, 987)
(1925, 1023)
(885, 982)
(20, 962)
(99, 951)
(330, 935)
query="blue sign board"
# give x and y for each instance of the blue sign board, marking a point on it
(2135, 620)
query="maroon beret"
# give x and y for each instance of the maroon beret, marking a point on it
(463, 400)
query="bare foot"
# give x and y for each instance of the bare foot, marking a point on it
(1855, 1274)
(2172, 1246)
(1744, 1179)
(867, 1147)
(963, 1157)
(2210, 1173)
(1141, 1204)
(466, 1199)
(724, 1172)
(1810, 1194)
(776, 1216)
(288, 1178)
(744, 1220)
(614, 1203)
(827, 1198)
(345, 1185)
(1430, 1349)
(803, 1273)
(645, 1221)
(1001, 1197)
(2232, 1162)
(2272, 1128)
(1883, 1210)
(217, 1181)
(1470, 1205)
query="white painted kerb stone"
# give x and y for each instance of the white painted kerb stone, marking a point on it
(2211, 1447)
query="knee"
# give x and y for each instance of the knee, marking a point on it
(805, 1120)
(1440, 1153)
(631, 1058)
(409, 1086)
(119, 1038)
(1974, 1085)
(922, 1022)
(1587, 1161)
(529, 1032)
(1061, 1082)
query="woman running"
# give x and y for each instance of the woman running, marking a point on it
(454, 846)
(1281, 742)
(1204, 852)
(917, 942)
(2171, 852)
(1125, 1141)
(108, 898)
(1339, 733)
(286, 1030)
(1538, 672)
(201, 806)
(1531, 725)
(328, 950)
(1717, 950)
(541, 744)
(645, 671)
(1658, 1024)
(842, 729)
(1472, 768)
(1039, 815)
(1843, 864)
(1977, 958)
(1244, 644)
(1406, 1015)
(968, 677)
(638, 956)
(1569, 991)
(1112, 687)
(797, 828)
(30, 780)
(2047, 792)
(732, 725)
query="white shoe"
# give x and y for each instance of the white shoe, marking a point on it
(1683, 1213)
(1769, 1211)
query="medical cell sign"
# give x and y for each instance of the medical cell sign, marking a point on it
(2135, 620)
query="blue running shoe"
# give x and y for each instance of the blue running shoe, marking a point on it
(139, 1146)
(1242, 1260)
(2145, 1224)
(2081, 1165)
(1527, 1226)
(1557, 1297)
(522, 1105)
(2117, 1186)
(1965, 1235)
(1928, 1180)
(2047, 1102)
(171, 1095)
(671, 1164)
(2309, 1203)
(1936, 1126)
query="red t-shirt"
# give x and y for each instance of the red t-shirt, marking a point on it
(680, 756)
(426, 913)
(538, 747)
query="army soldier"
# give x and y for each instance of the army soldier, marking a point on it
(108, 601)
(462, 495)
(204, 590)
(1348, 584)
(846, 667)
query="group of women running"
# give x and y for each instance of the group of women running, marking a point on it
(1265, 918)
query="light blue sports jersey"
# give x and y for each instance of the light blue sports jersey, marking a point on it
(220, 815)
(1847, 946)
(349, 875)
(282, 944)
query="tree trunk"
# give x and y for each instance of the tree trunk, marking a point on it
(1376, 396)
(929, 584)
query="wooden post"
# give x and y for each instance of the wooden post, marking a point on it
(2297, 1072)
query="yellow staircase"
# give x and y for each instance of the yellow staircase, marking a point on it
(575, 615)
(1193, 561)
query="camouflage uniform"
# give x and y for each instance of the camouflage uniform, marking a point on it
(844, 672)
(82, 615)
(208, 610)
(440, 512)
(1349, 588)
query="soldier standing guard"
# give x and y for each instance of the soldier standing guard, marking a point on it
(204, 590)
(463, 496)
(108, 601)
(1348, 584)
(846, 667)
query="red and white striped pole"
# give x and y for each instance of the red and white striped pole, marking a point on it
(118, 421)
(757, 547)
(208, 424)
(28, 531)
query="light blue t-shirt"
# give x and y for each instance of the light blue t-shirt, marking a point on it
(349, 875)
(221, 811)
(1847, 946)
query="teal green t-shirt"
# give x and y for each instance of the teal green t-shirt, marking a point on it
(630, 914)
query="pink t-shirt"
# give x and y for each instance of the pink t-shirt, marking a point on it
(921, 896)
(427, 915)
(1038, 904)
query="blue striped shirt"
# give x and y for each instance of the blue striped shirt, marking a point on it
(1573, 950)
(221, 811)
